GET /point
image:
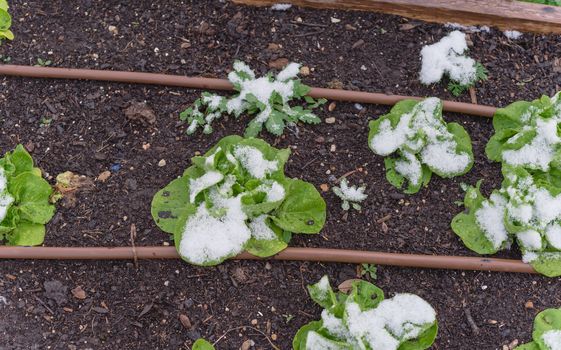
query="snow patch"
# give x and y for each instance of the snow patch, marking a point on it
(281, 7)
(512, 34)
(447, 57)
(490, 218)
(5, 198)
(254, 162)
(552, 339)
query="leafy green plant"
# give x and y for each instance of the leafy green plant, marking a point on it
(268, 97)
(457, 88)
(545, 2)
(363, 319)
(369, 270)
(202, 344)
(423, 142)
(43, 63)
(350, 195)
(24, 200)
(526, 135)
(5, 21)
(526, 208)
(447, 57)
(547, 331)
(234, 198)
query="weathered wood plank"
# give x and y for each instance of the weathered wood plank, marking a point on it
(504, 14)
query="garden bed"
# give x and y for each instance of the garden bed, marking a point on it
(82, 127)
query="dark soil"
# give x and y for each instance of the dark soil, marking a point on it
(82, 127)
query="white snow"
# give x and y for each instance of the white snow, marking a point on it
(273, 189)
(254, 162)
(539, 153)
(352, 193)
(553, 235)
(314, 341)
(512, 34)
(289, 72)
(443, 157)
(334, 325)
(446, 57)
(207, 238)
(213, 101)
(530, 239)
(409, 167)
(473, 29)
(552, 339)
(5, 198)
(437, 149)
(528, 257)
(281, 7)
(323, 285)
(402, 317)
(490, 218)
(200, 184)
(260, 230)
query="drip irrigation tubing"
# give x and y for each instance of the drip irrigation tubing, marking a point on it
(222, 84)
(289, 254)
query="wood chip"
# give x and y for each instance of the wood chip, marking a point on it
(103, 176)
(279, 63)
(185, 321)
(347, 286)
(324, 187)
(79, 293)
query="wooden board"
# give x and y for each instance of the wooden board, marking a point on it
(504, 14)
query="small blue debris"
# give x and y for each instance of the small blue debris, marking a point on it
(115, 167)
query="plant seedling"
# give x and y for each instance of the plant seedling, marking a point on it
(364, 319)
(423, 144)
(268, 97)
(351, 195)
(369, 270)
(43, 63)
(234, 198)
(24, 200)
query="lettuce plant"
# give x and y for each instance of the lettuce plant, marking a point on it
(350, 195)
(5, 21)
(547, 332)
(24, 200)
(423, 143)
(268, 97)
(234, 198)
(448, 57)
(526, 208)
(202, 344)
(365, 320)
(526, 135)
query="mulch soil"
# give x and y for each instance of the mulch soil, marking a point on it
(82, 127)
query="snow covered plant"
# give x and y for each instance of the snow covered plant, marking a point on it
(350, 195)
(268, 97)
(5, 22)
(526, 134)
(547, 332)
(364, 320)
(234, 198)
(24, 200)
(423, 141)
(527, 207)
(448, 57)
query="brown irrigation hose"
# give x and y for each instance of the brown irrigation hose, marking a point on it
(292, 254)
(222, 84)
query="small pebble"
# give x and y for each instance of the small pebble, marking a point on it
(162, 163)
(333, 148)
(254, 322)
(305, 71)
(330, 120)
(335, 20)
